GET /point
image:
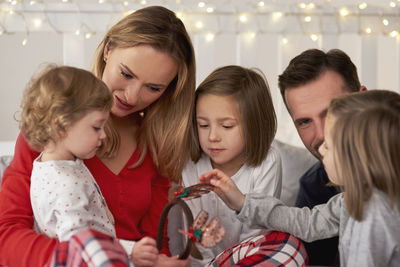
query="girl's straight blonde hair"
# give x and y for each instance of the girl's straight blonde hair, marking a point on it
(164, 128)
(366, 143)
(56, 98)
(251, 91)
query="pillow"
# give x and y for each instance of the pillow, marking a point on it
(295, 162)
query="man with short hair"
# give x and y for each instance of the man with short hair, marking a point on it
(308, 84)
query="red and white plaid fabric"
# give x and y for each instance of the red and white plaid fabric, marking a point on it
(90, 248)
(267, 250)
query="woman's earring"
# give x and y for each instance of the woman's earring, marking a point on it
(104, 58)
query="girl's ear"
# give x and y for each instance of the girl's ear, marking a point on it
(60, 128)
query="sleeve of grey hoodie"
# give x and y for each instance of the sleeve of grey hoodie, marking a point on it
(307, 224)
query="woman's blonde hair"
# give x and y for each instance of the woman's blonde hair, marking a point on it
(56, 98)
(366, 145)
(164, 129)
(250, 89)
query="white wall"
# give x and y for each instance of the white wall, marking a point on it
(17, 65)
(376, 57)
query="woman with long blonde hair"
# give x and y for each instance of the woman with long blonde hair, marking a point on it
(148, 64)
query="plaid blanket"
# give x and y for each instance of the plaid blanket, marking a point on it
(267, 250)
(90, 248)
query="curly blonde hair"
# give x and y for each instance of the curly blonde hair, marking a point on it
(164, 128)
(56, 98)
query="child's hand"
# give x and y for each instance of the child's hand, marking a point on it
(225, 188)
(145, 252)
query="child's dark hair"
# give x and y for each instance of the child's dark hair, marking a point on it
(250, 89)
(58, 97)
(312, 63)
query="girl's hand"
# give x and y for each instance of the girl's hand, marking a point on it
(165, 261)
(225, 188)
(144, 252)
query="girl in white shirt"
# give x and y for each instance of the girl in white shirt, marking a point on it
(233, 127)
(361, 153)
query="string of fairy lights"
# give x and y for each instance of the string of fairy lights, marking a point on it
(209, 19)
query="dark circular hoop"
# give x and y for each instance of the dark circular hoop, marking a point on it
(187, 193)
(161, 225)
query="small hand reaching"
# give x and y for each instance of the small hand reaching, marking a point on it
(145, 252)
(225, 188)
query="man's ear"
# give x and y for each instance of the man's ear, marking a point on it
(363, 88)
